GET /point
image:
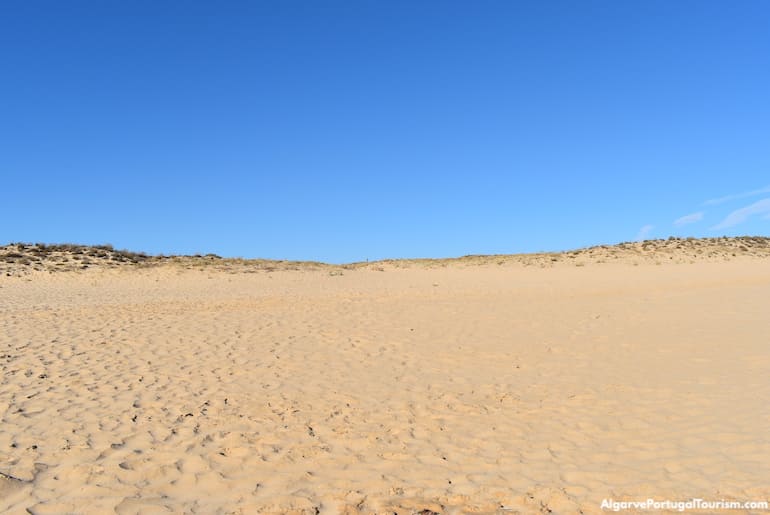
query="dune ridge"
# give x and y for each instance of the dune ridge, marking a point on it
(24, 258)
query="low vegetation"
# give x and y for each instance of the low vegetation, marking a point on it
(24, 258)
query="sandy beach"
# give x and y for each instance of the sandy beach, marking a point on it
(480, 385)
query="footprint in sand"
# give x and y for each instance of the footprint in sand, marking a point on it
(10, 486)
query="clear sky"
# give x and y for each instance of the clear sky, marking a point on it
(341, 131)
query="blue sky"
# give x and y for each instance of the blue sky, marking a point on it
(341, 131)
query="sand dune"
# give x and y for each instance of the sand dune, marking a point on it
(483, 385)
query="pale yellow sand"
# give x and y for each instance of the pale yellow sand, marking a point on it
(449, 388)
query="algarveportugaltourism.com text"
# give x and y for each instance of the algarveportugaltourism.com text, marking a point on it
(692, 504)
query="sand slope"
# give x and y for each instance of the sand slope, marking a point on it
(452, 388)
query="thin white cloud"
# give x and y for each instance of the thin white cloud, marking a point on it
(689, 219)
(736, 196)
(644, 232)
(741, 215)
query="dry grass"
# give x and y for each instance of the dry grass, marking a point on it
(18, 259)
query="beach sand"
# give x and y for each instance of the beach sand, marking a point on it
(446, 387)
